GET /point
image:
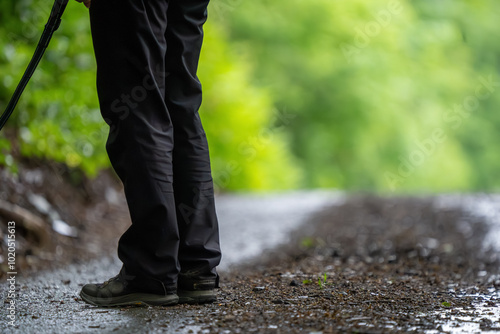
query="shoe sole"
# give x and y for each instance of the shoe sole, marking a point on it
(135, 299)
(196, 297)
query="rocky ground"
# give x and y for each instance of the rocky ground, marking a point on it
(365, 265)
(371, 265)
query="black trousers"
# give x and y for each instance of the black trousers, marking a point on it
(147, 54)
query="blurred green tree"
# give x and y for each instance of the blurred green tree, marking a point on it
(58, 116)
(369, 82)
(368, 94)
(478, 129)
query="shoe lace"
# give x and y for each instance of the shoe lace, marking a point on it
(117, 277)
(122, 276)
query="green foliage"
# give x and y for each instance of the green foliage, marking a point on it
(322, 281)
(248, 151)
(367, 80)
(58, 116)
(6, 158)
(359, 94)
(479, 128)
(307, 242)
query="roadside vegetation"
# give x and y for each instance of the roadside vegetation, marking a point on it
(384, 95)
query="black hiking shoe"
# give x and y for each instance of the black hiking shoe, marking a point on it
(197, 289)
(124, 290)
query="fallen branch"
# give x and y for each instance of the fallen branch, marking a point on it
(26, 220)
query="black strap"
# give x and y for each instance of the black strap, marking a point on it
(51, 26)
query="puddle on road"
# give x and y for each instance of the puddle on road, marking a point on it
(485, 206)
(481, 317)
(251, 223)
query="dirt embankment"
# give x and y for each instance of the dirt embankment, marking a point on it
(61, 216)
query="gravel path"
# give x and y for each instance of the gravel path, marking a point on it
(373, 265)
(368, 265)
(48, 303)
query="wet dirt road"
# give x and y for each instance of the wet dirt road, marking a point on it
(49, 303)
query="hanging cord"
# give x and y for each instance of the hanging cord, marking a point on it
(51, 26)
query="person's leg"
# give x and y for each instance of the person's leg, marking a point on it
(130, 48)
(199, 250)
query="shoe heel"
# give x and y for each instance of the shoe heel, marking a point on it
(196, 297)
